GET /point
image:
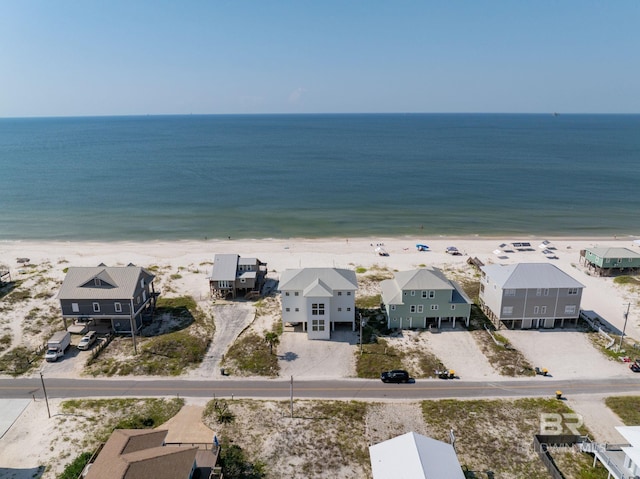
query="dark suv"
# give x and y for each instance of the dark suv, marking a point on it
(395, 376)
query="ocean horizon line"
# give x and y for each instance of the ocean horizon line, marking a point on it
(309, 114)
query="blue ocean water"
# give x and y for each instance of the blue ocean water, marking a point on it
(261, 176)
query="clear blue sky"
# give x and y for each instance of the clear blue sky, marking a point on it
(112, 57)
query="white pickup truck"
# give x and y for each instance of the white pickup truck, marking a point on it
(57, 345)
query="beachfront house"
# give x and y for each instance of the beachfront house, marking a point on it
(529, 295)
(424, 298)
(622, 461)
(118, 296)
(319, 298)
(414, 456)
(142, 453)
(608, 261)
(232, 275)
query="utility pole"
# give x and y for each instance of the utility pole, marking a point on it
(44, 390)
(361, 321)
(626, 315)
(291, 394)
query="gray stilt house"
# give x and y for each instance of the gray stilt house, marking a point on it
(529, 295)
(424, 298)
(232, 275)
(118, 296)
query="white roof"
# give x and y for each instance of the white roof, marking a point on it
(631, 434)
(331, 278)
(414, 456)
(529, 275)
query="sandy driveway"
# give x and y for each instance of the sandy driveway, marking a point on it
(303, 358)
(566, 354)
(230, 320)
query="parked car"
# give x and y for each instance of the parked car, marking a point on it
(395, 376)
(87, 340)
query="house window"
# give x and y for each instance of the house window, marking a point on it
(348, 309)
(286, 293)
(570, 309)
(339, 293)
(96, 307)
(573, 291)
(97, 282)
(296, 293)
(546, 291)
(434, 307)
(118, 307)
(432, 294)
(606, 260)
(317, 325)
(297, 310)
(412, 309)
(243, 280)
(138, 300)
(424, 294)
(339, 310)
(348, 293)
(224, 284)
(536, 309)
(413, 293)
(539, 292)
(142, 283)
(288, 309)
(75, 308)
(543, 309)
(453, 306)
(317, 309)
(393, 307)
(509, 292)
(506, 310)
(420, 308)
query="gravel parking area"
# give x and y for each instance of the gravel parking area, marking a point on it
(303, 358)
(565, 353)
(458, 350)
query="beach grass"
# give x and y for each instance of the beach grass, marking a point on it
(176, 340)
(249, 355)
(626, 407)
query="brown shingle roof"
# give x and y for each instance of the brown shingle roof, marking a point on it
(140, 454)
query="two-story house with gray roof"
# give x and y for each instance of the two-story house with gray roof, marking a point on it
(605, 261)
(232, 275)
(319, 298)
(422, 298)
(115, 295)
(529, 295)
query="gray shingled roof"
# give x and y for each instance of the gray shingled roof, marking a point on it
(422, 279)
(333, 278)
(530, 275)
(122, 282)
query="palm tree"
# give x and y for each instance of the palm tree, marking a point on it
(272, 339)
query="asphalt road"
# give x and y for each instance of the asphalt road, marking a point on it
(356, 389)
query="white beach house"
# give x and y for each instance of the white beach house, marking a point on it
(319, 298)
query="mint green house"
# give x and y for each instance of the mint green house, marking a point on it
(607, 261)
(422, 298)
